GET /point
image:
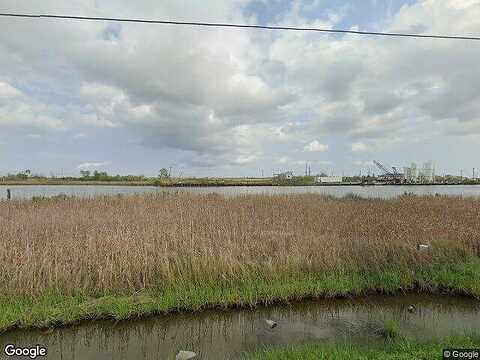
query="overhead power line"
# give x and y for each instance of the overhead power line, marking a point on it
(227, 25)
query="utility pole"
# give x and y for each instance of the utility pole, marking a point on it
(473, 174)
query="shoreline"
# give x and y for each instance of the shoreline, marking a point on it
(58, 311)
(244, 184)
(86, 319)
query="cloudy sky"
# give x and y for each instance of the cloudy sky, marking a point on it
(132, 98)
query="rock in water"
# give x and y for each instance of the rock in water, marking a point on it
(185, 355)
(271, 323)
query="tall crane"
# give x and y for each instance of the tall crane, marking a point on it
(381, 167)
(393, 176)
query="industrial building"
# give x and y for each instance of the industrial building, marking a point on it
(411, 174)
(425, 174)
(328, 179)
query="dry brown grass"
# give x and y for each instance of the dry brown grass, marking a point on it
(126, 244)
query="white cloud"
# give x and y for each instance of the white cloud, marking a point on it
(315, 146)
(92, 165)
(231, 96)
(325, 162)
(463, 4)
(283, 160)
(241, 159)
(359, 147)
(363, 163)
(7, 91)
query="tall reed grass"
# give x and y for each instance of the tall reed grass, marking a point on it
(123, 245)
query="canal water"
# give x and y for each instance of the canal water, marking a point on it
(26, 192)
(232, 334)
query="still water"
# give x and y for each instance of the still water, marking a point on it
(30, 191)
(233, 333)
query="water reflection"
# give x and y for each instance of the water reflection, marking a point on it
(22, 192)
(229, 334)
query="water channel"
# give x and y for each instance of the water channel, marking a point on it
(232, 334)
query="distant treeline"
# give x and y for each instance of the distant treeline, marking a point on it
(103, 176)
(84, 176)
(165, 179)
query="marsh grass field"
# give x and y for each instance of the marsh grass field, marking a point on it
(400, 349)
(69, 259)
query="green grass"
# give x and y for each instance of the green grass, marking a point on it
(64, 260)
(404, 349)
(391, 329)
(57, 309)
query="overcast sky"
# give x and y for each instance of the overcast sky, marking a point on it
(133, 98)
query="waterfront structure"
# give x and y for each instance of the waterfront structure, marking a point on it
(329, 179)
(389, 176)
(428, 172)
(425, 174)
(411, 174)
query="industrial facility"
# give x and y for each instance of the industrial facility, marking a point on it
(410, 175)
(328, 179)
(389, 176)
(425, 174)
(413, 174)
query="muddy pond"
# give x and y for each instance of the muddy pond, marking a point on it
(232, 334)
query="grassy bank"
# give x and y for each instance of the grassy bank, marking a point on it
(62, 260)
(144, 181)
(403, 349)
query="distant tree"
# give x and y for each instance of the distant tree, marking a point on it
(163, 174)
(24, 174)
(100, 175)
(85, 173)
